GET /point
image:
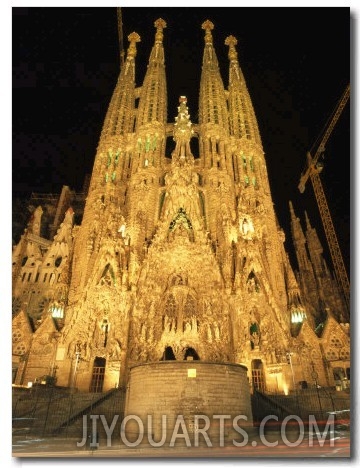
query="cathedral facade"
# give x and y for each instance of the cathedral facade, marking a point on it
(177, 257)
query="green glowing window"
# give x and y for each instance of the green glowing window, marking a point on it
(251, 161)
(147, 144)
(109, 158)
(244, 162)
(154, 143)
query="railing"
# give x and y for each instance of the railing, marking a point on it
(319, 402)
(50, 411)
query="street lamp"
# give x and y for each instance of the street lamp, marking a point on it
(289, 361)
(77, 359)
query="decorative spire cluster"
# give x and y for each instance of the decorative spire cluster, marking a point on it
(208, 26)
(183, 126)
(133, 39)
(231, 41)
(160, 25)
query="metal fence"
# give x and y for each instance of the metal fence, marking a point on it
(50, 411)
(317, 402)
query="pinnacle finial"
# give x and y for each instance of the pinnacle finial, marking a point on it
(182, 134)
(133, 38)
(160, 25)
(231, 41)
(208, 26)
(307, 220)
(183, 124)
(292, 212)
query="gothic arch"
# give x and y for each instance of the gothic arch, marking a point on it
(108, 276)
(168, 354)
(190, 305)
(253, 284)
(180, 310)
(191, 353)
(182, 222)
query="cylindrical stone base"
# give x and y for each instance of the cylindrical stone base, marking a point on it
(187, 402)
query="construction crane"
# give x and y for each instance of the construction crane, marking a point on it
(312, 171)
(121, 35)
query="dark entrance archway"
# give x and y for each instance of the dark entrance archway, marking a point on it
(98, 374)
(168, 354)
(191, 354)
(257, 374)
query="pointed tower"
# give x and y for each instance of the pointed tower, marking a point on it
(213, 141)
(305, 274)
(315, 249)
(149, 144)
(319, 287)
(105, 208)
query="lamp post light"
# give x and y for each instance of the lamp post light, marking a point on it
(289, 361)
(289, 355)
(77, 359)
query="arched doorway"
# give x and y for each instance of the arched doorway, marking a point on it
(98, 374)
(191, 354)
(168, 354)
(257, 375)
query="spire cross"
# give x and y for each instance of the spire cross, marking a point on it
(231, 41)
(208, 26)
(160, 25)
(133, 38)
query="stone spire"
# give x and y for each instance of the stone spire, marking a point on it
(212, 104)
(120, 115)
(110, 173)
(153, 98)
(182, 199)
(214, 130)
(243, 123)
(148, 144)
(315, 248)
(299, 241)
(34, 225)
(182, 132)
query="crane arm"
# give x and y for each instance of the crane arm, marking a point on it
(335, 252)
(121, 35)
(312, 160)
(312, 172)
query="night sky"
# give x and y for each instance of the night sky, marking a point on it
(296, 62)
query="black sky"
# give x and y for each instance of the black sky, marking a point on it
(296, 63)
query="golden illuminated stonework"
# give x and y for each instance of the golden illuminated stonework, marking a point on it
(178, 256)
